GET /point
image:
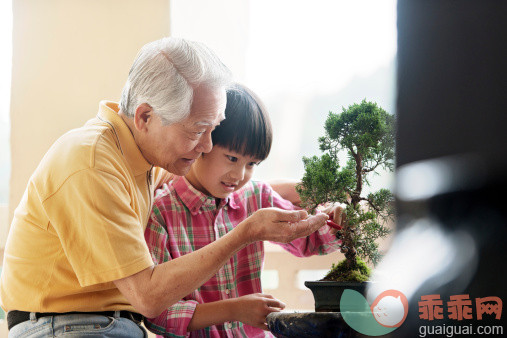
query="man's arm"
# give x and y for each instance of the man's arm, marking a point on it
(154, 289)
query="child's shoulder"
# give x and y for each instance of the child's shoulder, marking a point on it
(166, 191)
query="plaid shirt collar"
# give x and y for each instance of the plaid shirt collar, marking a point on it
(195, 200)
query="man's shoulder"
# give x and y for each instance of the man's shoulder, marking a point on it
(84, 148)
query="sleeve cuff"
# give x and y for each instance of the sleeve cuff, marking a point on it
(327, 237)
(183, 312)
(174, 321)
(98, 277)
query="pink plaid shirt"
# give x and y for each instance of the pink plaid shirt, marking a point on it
(195, 221)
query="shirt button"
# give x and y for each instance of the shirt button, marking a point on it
(229, 325)
(227, 291)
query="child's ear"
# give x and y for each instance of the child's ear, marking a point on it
(143, 116)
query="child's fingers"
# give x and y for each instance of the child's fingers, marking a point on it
(275, 303)
(338, 213)
(272, 301)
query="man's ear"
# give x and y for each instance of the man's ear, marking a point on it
(143, 116)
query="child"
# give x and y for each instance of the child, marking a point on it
(216, 195)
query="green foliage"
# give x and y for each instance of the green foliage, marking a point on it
(364, 129)
(383, 202)
(366, 132)
(323, 181)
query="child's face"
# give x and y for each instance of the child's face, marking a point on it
(221, 172)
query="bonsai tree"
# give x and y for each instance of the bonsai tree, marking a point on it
(365, 132)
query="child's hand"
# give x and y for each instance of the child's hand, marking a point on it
(336, 214)
(253, 309)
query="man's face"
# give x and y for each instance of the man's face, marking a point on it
(175, 147)
(221, 172)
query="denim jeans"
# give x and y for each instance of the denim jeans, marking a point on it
(78, 325)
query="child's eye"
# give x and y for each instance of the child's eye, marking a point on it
(232, 158)
(253, 164)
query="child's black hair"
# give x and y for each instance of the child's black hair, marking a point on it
(246, 129)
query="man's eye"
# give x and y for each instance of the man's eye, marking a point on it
(232, 158)
(199, 133)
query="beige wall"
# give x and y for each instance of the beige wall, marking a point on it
(4, 221)
(223, 25)
(67, 56)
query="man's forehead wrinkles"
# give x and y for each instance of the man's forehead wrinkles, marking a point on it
(217, 121)
(203, 123)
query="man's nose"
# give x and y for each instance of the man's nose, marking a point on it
(205, 144)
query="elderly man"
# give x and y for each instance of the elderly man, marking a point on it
(76, 260)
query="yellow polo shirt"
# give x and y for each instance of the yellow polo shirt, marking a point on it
(80, 224)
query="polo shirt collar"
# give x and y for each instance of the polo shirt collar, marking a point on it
(108, 113)
(195, 200)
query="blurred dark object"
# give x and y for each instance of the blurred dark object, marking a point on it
(452, 79)
(452, 151)
(309, 324)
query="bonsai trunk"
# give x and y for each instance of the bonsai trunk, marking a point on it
(348, 247)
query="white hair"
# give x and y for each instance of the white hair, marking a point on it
(165, 73)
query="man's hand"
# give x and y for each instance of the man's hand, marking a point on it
(282, 226)
(253, 309)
